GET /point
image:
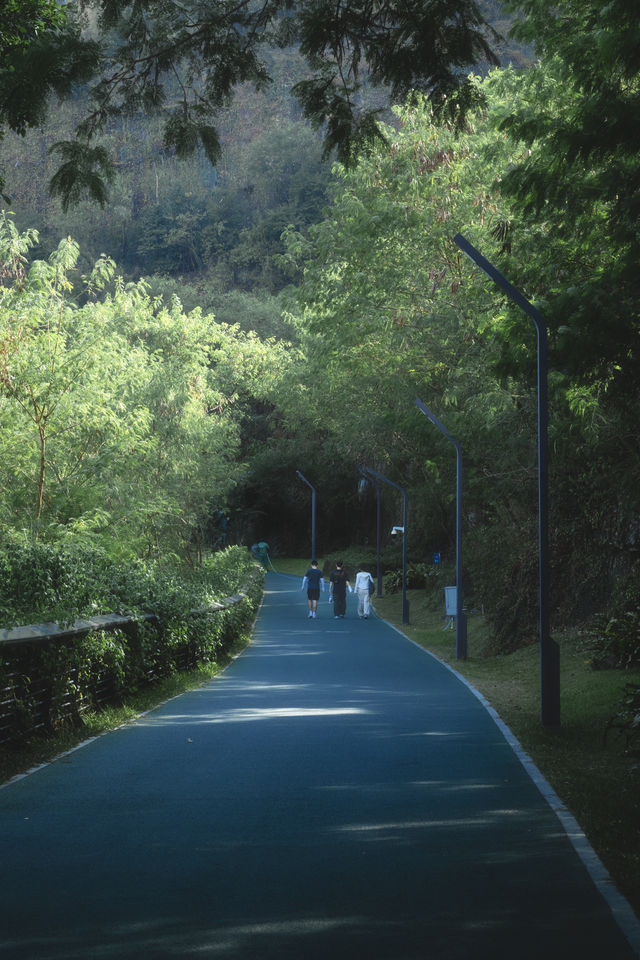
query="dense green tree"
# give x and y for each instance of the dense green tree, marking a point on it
(385, 321)
(42, 54)
(382, 276)
(122, 417)
(393, 311)
(571, 244)
(580, 181)
(61, 404)
(23, 21)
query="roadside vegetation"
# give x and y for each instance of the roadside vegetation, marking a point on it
(181, 627)
(19, 758)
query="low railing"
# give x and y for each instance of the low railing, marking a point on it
(48, 677)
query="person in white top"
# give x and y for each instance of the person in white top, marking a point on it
(361, 587)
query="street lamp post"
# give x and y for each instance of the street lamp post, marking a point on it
(405, 514)
(378, 538)
(461, 620)
(549, 650)
(378, 530)
(313, 514)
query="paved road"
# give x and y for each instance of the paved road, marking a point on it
(336, 794)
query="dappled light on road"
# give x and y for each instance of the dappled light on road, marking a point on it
(266, 713)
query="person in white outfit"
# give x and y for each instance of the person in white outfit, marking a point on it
(361, 587)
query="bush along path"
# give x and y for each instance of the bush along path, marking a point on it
(335, 792)
(53, 673)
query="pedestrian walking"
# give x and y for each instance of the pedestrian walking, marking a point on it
(314, 582)
(363, 580)
(260, 551)
(338, 586)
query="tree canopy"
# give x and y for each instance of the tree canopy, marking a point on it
(580, 181)
(391, 310)
(24, 20)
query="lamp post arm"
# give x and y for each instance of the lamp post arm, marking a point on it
(313, 513)
(380, 476)
(304, 479)
(487, 267)
(434, 420)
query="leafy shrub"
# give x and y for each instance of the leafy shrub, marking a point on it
(40, 582)
(627, 720)
(615, 643)
(392, 581)
(503, 559)
(180, 625)
(419, 576)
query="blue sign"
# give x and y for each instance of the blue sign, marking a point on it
(436, 558)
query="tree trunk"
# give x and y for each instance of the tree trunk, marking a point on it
(43, 446)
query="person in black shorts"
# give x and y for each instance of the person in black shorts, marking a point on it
(314, 582)
(338, 584)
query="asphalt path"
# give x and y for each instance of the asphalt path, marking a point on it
(335, 794)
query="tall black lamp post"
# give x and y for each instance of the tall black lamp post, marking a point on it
(405, 513)
(549, 650)
(461, 620)
(313, 514)
(378, 530)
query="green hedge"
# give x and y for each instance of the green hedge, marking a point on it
(43, 582)
(627, 720)
(180, 625)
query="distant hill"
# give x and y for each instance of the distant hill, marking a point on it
(185, 218)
